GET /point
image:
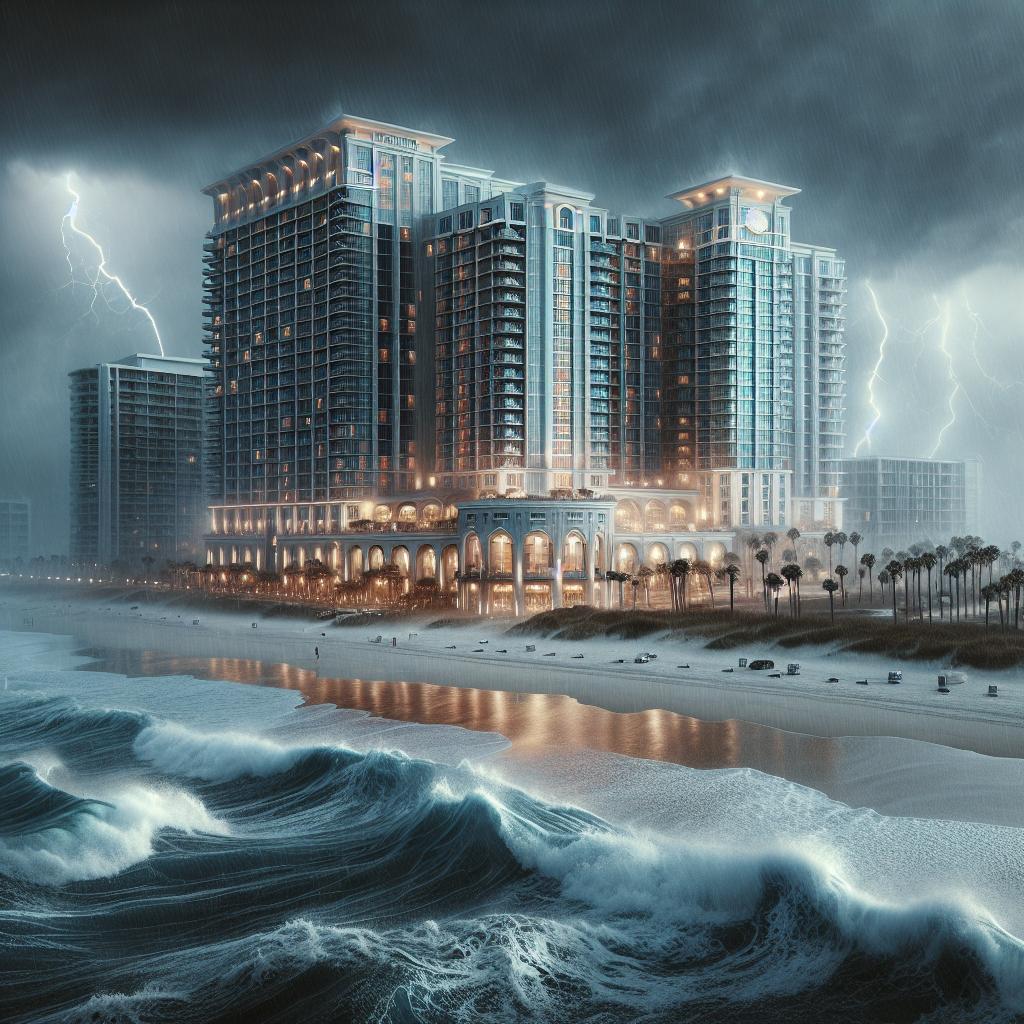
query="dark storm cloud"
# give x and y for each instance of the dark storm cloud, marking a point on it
(911, 110)
(903, 123)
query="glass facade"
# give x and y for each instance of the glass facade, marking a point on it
(136, 466)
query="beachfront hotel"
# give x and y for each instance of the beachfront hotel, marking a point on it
(501, 386)
(136, 467)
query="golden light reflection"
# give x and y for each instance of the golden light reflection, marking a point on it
(534, 723)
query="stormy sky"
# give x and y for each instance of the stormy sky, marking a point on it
(903, 124)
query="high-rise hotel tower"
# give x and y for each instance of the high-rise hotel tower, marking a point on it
(391, 336)
(754, 330)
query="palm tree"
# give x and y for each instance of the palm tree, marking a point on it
(794, 535)
(928, 560)
(855, 539)
(895, 571)
(634, 582)
(770, 540)
(644, 574)
(868, 561)
(830, 587)
(941, 553)
(762, 557)
(702, 569)
(883, 579)
(952, 570)
(681, 569)
(828, 540)
(775, 583)
(791, 573)
(730, 572)
(1015, 580)
(841, 572)
(909, 568)
(990, 593)
(841, 539)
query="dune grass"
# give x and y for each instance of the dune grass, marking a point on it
(966, 644)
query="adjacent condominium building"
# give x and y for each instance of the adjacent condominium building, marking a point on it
(391, 337)
(894, 502)
(15, 531)
(136, 468)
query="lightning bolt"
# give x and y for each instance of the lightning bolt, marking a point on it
(70, 221)
(875, 375)
(944, 349)
(978, 326)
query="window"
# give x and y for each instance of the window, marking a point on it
(485, 215)
(632, 230)
(465, 219)
(444, 226)
(471, 193)
(595, 224)
(363, 158)
(449, 193)
(517, 211)
(565, 218)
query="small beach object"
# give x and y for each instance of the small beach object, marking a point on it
(760, 664)
(727, 670)
(682, 666)
(577, 656)
(478, 650)
(501, 651)
(793, 668)
(774, 675)
(993, 691)
(195, 622)
(835, 679)
(530, 648)
(641, 659)
(943, 689)
(895, 677)
(860, 682)
(254, 625)
(551, 654)
(483, 641)
(743, 662)
(619, 661)
(450, 647)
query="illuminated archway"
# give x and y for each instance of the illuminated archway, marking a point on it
(500, 553)
(574, 553)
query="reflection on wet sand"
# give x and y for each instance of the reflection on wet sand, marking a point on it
(534, 723)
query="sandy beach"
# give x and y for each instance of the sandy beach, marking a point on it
(684, 678)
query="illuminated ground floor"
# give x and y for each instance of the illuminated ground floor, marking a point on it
(494, 556)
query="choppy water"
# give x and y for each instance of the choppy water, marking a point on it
(180, 851)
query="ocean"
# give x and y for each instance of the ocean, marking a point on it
(181, 849)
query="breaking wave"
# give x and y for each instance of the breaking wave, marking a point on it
(163, 873)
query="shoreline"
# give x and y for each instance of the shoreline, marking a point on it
(450, 655)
